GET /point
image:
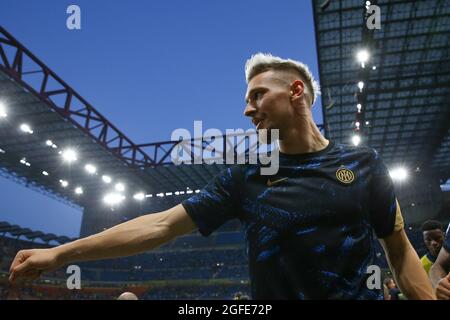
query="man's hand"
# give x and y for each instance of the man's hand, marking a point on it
(443, 288)
(29, 264)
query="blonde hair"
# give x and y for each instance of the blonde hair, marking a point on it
(261, 62)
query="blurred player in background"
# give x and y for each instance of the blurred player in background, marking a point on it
(440, 270)
(433, 237)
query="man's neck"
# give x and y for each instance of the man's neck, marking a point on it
(305, 137)
(431, 256)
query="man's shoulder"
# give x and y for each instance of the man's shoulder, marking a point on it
(352, 150)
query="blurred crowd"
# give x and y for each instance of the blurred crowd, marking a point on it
(157, 275)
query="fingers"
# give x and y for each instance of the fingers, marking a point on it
(20, 257)
(444, 283)
(21, 270)
(442, 293)
(443, 289)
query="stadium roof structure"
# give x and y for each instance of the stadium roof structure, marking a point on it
(42, 118)
(405, 81)
(17, 231)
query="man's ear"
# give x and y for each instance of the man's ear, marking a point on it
(297, 88)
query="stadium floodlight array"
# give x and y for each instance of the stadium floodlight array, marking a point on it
(70, 155)
(168, 194)
(362, 57)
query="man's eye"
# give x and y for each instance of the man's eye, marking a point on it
(257, 95)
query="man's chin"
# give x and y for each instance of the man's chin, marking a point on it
(436, 253)
(258, 129)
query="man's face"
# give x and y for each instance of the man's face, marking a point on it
(433, 240)
(268, 102)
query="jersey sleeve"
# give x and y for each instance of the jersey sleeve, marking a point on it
(385, 213)
(216, 203)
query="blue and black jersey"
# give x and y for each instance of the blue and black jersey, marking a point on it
(310, 228)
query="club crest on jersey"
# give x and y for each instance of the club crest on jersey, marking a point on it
(345, 175)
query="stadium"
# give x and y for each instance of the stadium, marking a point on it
(384, 88)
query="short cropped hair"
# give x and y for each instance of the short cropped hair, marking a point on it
(262, 62)
(432, 225)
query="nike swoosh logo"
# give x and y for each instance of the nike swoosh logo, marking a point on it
(272, 183)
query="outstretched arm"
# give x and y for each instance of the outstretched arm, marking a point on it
(405, 265)
(129, 238)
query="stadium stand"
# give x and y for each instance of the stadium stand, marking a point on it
(191, 267)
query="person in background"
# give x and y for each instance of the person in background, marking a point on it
(440, 270)
(433, 237)
(393, 291)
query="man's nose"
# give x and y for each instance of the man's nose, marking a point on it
(250, 110)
